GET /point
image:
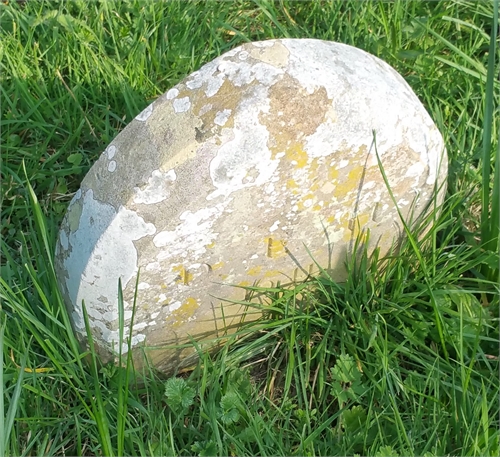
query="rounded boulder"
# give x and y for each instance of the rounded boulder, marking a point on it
(253, 170)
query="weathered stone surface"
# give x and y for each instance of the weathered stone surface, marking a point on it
(229, 175)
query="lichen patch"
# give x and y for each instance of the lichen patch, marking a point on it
(110, 151)
(276, 55)
(293, 115)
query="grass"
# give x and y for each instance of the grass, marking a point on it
(333, 369)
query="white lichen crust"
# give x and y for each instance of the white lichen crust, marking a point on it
(227, 176)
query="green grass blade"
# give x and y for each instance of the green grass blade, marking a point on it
(8, 422)
(490, 215)
(3, 438)
(99, 412)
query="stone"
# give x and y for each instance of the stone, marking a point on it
(253, 170)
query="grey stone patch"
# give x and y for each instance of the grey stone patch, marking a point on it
(223, 179)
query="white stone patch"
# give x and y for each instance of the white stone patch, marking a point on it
(140, 325)
(248, 150)
(102, 251)
(172, 93)
(269, 189)
(155, 315)
(274, 227)
(195, 83)
(214, 84)
(181, 105)
(174, 306)
(111, 337)
(111, 151)
(222, 116)
(236, 72)
(266, 74)
(193, 233)
(243, 55)
(136, 339)
(77, 196)
(240, 73)
(143, 115)
(207, 76)
(143, 286)
(153, 266)
(99, 315)
(112, 166)
(415, 170)
(157, 188)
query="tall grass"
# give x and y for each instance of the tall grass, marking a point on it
(490, 210)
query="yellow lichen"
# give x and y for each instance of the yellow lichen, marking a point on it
(355, 173)
(356, 226)
(184, 275)
(186, 310)
(315, 186)
(274, 248)
(271, 274)
(301, 204)
(333, 173)
(343, 188)
(292, 186)
(254, 270)
(295, 153)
